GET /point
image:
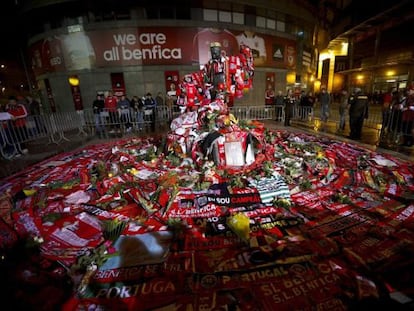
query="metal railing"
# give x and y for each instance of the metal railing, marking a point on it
(397, 127)
(126, 120)
(253, 112)
(57, 127)
(309, 114)
(54, 127)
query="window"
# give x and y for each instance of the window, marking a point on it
(271, 23)
(238, 18)
(261, 21)
(280, 26)
(210, 15)
(224, 17)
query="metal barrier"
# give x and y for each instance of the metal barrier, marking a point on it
(261, 113)
(308, 114)
(126, 120)
(279, 113)
(57, 126)
(14, 136)
(240, 113)
(397, 127)
(253, 112)
(53, 127)
(302, 113)
(9, 145)
(374, 121)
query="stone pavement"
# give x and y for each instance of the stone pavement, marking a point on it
(43, 149)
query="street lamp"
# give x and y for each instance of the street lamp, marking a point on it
(73, 80)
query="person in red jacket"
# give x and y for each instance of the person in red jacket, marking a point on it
(111, 106)
(18, 122)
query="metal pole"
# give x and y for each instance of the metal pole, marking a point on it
(29, 83)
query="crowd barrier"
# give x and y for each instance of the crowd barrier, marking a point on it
(308, 114)
(302, 113)
(259, 113)
(14, 135)
(126, 120)
(58, 127)
(396, 127)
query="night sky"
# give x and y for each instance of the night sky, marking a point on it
(9, 29)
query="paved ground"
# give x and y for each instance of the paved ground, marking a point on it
(44, 149)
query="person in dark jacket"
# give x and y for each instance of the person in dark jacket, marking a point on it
(98, 107)
(358, 111)
(150, 109)
(124, 110)
(279, 106)
(289, 106)
(325, 100)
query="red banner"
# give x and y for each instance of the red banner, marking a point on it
(154, 46)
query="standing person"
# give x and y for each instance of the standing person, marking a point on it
(172, 98)
(169, 102)
(22, 101)
(124, 106)
(396, 112)
(35, 112)
(343, 107)
(358, 110)
(309, 103)
(269, 96)
(303, 103)
(325, 102)
(160, 110)
(289, 106)
(386, 109)
(159, 99)
(149, 107)
(98, 107)
(111, 102)
(18, 124)
(279, 105)
(34, 106)
(138, 106)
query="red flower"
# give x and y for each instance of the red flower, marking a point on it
(163, 198)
